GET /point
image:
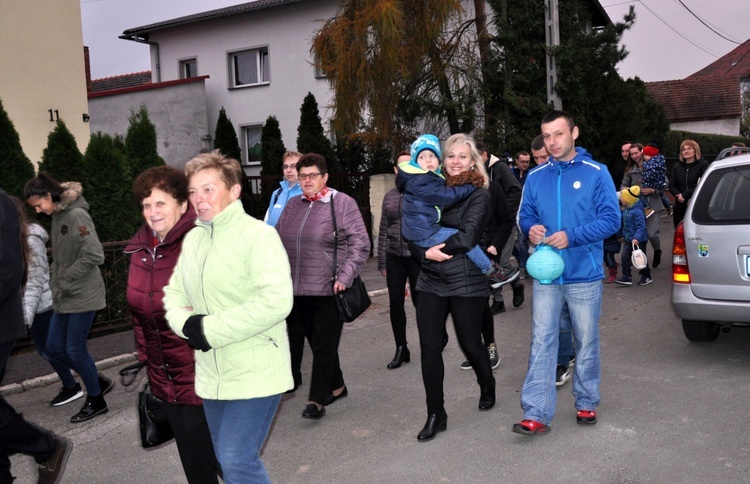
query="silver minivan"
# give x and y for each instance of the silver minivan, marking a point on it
(711, 252)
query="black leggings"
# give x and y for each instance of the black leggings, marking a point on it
(398, 270)
(432, 313)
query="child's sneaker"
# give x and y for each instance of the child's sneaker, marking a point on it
(625, 280)
(645, 281)
(499, 276)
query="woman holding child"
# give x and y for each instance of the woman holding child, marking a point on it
(449, 282)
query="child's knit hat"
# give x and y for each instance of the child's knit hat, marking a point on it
(630, 195)
(650, 150)
(425, 142)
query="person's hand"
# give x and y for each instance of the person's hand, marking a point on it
(338, 287)
(680, 198)
(383, 272)
(621, 240)
(434, 253)
(634, 242)
(536, 234)
(492, 250)
(558, 240)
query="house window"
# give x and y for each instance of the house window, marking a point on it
(249, 67)
(251, 136)
(188, 68)
(319, 74)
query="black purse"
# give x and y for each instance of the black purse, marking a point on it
(152, 415)
(354, 301)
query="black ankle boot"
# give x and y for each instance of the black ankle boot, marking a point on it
(487, 397)
(435, 423)
(402, 356)
(94, 406)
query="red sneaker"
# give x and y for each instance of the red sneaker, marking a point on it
(531, 427)
(586, 417)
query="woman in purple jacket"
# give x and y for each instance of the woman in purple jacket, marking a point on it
(162, 193)
(306, 230)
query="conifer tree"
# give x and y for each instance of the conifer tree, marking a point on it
(15, 166)
(108, 190)
(62, 158)
(140, 143)
(225, 137)
(271, 147)
(310, 134)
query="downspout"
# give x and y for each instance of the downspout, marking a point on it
(155, 45)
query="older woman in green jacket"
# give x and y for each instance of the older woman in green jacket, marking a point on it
(230, 303)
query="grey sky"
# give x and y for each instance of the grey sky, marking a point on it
(667, 42)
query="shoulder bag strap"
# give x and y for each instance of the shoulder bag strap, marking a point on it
(335, 239)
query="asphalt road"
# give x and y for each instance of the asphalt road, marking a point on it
(672, 411)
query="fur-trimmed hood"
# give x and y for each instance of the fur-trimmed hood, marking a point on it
(73, 192)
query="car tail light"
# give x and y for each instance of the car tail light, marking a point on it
(680, 269)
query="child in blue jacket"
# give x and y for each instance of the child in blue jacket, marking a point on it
(425, 193)
(633, 232)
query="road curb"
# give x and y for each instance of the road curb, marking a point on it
(45, 380)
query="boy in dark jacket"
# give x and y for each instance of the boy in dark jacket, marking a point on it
(633, 232)
(425, 193)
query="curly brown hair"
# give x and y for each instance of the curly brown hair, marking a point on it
(165, 178)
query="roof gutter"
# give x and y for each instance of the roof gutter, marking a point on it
(144, 40)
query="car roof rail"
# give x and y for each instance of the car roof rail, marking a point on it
(734, 150)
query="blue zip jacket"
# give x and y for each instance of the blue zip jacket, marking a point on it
(425, 195)
(634, 223)
(579, 198)
(279, 199)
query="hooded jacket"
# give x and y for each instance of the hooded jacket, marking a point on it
(235, 272)
(500, 171)
(425, 195)
(306, 230)
(171, 362)
(634, 223)
(11, 273)
(76, 280)
(578, 197)
(37, 298)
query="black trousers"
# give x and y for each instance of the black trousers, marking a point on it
(193, 439)
(296, 334)
(322, 326)
(17, 436)
(398, 270)
(432, 314)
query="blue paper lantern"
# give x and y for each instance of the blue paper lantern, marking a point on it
(545, 265)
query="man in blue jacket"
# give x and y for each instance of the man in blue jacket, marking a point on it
(289, 188)
(571, 205)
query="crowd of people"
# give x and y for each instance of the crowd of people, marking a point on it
(223, 336)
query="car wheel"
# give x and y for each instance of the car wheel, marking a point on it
(700, 331)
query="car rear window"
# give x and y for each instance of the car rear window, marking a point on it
(724, 197)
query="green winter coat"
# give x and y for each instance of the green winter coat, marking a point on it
(235, 271)
(75, 278)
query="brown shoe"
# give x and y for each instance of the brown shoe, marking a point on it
(51, 471)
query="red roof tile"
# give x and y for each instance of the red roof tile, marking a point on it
(735, 63)
(698, 99)
(121, 81)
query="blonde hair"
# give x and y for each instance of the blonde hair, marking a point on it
(291, 154)
(465, 139)
(229, 169)
(695, 146)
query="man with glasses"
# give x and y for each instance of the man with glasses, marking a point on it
(289, 188)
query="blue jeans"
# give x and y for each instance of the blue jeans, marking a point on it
(238, 430)
(66, 342)
(584, 301)
(476, 254)
(522, 242)
(566, 351)
(39, 333)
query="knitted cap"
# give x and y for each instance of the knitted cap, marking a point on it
(425, 142)
(650, 150)
(630, 195)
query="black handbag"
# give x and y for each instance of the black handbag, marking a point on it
(354, 301)
(152, 415)
(152, 419)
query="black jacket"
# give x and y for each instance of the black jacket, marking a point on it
(390, 239)
(501, 222)
(12, 270)
(684, 178)
(499, 171)
(458, 276)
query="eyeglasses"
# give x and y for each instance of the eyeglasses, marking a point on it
(311, 176)
(288, 167)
